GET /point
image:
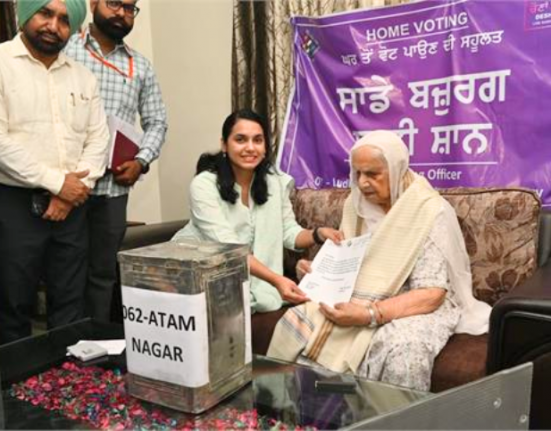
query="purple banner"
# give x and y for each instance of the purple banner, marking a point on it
(467, 84)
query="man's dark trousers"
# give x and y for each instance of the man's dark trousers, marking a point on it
(106, 227)
(32, 248)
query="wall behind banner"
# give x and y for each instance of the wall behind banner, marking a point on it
(189, 43)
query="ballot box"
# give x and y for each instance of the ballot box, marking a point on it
(186, 311)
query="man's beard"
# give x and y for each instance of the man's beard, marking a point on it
(45, 42)
(115, 28)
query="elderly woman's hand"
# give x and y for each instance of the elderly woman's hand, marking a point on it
(303, 267)
(329, 233)
(346, 314)
(289, 291)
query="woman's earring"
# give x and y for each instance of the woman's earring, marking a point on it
(225, 154)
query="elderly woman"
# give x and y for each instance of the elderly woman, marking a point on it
(414, 287)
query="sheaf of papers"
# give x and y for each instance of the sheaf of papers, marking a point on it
(334, 271)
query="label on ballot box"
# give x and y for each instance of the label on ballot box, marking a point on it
(167, 336)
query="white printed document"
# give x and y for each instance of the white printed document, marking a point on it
(334, 271)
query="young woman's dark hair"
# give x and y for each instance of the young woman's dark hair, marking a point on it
(219, 164)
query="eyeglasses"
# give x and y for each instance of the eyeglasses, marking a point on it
(129, 9)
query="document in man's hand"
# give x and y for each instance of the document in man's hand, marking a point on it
(125, 142)
(334, 271)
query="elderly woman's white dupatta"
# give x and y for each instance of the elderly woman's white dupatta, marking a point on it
(398, 238)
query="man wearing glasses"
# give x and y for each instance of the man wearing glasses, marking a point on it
(128, 87)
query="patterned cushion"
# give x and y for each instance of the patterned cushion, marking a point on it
(500, 226)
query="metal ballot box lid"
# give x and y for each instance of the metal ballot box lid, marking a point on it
(186, 311)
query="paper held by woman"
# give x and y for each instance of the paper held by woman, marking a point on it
(334, 271)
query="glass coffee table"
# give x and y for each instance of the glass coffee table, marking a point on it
(44, 389)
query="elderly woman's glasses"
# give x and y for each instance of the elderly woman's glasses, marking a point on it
(129, 9)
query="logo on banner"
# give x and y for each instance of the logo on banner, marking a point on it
(537, 14)
(309, 44)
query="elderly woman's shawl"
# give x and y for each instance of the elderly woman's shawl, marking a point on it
(398, 239)
(385, 268)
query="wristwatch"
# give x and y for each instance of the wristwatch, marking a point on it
(317, 238)
(144, 164)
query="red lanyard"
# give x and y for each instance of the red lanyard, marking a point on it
(128, 75)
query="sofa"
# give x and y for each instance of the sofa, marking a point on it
(508, 238)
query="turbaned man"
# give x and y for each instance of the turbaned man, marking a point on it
(53, 148)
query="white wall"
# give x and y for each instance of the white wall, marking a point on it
(192, 42)
(145, 199)
(189, 43)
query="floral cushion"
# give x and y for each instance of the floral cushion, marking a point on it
(500, 227)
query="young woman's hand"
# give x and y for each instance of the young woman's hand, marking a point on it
(329, 233)
(303, 267)
(289, 291)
